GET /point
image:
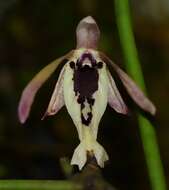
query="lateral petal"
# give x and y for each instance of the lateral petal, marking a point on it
(114, 98)
(57, 99)
(34, 85)
(133, 90)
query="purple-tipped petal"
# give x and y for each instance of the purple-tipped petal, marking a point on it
(133, 90)
(57, 99)
(114, 98)
(87, 33)
(34, 85)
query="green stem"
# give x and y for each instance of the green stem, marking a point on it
(133, 67)
(37, 185)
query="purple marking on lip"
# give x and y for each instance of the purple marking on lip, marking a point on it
(86, 84)
(88, 56)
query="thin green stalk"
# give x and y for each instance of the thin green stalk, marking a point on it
(133, 67)
(37, 185)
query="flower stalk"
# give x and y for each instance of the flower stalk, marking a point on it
(133, 67)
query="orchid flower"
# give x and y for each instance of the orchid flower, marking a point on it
(85, 86)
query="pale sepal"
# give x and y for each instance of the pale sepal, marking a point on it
(57, 99)
(114, 98)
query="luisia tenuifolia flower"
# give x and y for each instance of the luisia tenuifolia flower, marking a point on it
(85, 86)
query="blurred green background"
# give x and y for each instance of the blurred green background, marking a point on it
(34, 33)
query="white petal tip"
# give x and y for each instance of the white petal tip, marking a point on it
(89, 20)
(22, 121)
(153, 111)
(22, 115)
